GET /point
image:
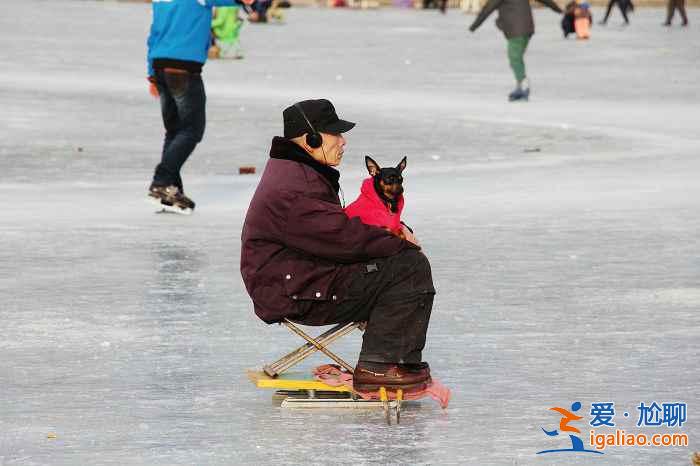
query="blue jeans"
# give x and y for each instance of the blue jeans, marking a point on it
(182, 105)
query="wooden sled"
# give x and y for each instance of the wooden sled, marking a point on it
(298, 391)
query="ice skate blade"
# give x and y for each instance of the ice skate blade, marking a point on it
(163, 208)
(311, 403)
(171, 209)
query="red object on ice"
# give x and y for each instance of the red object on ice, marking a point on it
(246, 170)
(332, 375)
(372, 211)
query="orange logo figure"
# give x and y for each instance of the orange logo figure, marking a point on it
(568, 417)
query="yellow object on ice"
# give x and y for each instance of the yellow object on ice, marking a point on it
(291, 381)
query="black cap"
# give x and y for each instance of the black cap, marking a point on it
(320, 113)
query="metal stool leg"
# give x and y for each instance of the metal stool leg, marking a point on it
(304, 351)
(318, 346)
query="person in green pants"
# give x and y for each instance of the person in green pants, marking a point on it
(226, 27)
(515, 20)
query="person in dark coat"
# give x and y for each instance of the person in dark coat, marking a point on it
(303, 259)
(567, 22)
(515, 20)
(674, 5)
(623, 5)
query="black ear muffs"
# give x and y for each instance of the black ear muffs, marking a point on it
(314, 138)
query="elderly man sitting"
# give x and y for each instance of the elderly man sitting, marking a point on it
(303, 259)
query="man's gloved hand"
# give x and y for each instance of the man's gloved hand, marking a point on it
(152, 88)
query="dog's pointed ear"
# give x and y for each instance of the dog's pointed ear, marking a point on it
(372, 166)
(402, 165)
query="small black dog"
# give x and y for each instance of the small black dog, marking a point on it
(381, 197)
(388, 182)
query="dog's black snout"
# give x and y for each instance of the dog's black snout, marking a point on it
(392, 179)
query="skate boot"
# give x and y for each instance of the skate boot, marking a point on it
(521, 92)
(171, 199)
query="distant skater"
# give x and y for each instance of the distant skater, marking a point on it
(515, 20)
(177, 50)
(623, 5)
(577, 19)
(674, 5)
(226, 28)
(439, 4)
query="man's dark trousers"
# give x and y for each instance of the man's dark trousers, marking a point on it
(394, 295)
(182, 104)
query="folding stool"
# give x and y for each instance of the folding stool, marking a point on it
(312, 345)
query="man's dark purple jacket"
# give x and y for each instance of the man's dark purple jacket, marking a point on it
(297, 244)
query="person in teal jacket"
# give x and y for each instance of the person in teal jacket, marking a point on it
(226, 27)
(177, 50)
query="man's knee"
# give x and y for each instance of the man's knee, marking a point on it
(423, 280)
(194, 131)
(417, 265)
(414, 257)
(198, 134)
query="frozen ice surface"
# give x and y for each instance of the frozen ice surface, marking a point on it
(563, 235)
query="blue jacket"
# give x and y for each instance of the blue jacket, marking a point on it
(180, 30)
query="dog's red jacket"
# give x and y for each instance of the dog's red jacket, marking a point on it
(372, 211)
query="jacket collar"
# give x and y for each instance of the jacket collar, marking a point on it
(285, 149)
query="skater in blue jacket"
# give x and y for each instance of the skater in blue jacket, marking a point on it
(177, 50)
